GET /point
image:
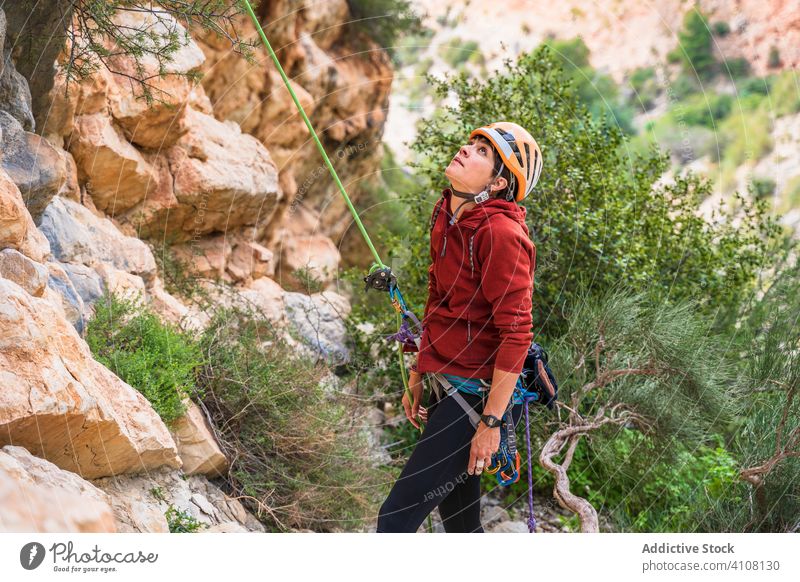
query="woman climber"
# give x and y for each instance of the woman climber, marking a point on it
(477, 329)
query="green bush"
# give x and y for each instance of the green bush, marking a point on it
(785, 95)
(594, 215)
(703, 110)
(774, 59)
(385, 21)
(299, 456)
(457, 52)
(596, 91)
(181, 521)
(646, 488)
(694, 49)
(754, 86)
(763, 187)
(645, 86)
(721, 28)
(683, 86)
(737, 68)
(791, 194)
(156, 359)
(410, 47)
(744, 136)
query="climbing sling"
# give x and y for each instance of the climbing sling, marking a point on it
(409, 332)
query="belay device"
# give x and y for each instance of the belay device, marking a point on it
(540, 385)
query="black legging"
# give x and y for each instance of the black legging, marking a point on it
(436, 473)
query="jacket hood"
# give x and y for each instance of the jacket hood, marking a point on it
(477, 214)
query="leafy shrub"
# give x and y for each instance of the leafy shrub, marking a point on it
(155, 358)
(754, 86)
(645, 86)
(792, 193)
(385, 21)
(683, 86)
(181, 521)
(721, 28)
(785, 95)
(694, 49)
(737, 68)
(299, 458)
(704, 110)
(744, 137)
(763, 187)
(411, 46)
(457, 52)
(655, 489)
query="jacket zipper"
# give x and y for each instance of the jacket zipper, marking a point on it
(469, 330)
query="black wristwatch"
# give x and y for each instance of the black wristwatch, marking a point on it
(490, 421)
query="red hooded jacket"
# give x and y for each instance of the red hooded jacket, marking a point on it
(480, 286)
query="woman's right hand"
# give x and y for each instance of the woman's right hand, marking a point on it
(413, 408)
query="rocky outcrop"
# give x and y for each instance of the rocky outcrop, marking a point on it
(197, 446)
(140, 503)
(79, 237)
(318, 324)
(343, 88)
(31, 162)
(37, 496)
(17, 230)
(62, 405)
(28, 274)
(107, 169)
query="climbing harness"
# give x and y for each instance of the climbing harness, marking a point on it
(506, 461)
(538, 386)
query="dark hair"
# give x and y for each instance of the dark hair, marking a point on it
(509, 192)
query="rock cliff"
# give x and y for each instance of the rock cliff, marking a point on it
(225, 172)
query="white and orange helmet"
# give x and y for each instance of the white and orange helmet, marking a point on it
(519, 152)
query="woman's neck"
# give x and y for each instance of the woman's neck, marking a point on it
(455, 202)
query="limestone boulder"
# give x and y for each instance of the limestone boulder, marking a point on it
(197, 446)
(222, 177)
(140, 502)
(266, 297)
(28, 274)
(64, 294)
(32, 164)
(315, 254)
(86, 282)
(249, 260)
(159, 122)
(116, 174)
(318, 323)
(17, 229)
(62, 405)
(205, 257)
(15, 96)
(37, 496)
(79, 237)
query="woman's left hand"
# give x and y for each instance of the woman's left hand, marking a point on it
(485, 442)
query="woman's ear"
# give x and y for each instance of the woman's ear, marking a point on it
(499, 184)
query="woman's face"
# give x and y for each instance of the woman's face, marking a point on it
(472, 168)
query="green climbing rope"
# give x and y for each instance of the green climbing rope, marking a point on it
(263, 36)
